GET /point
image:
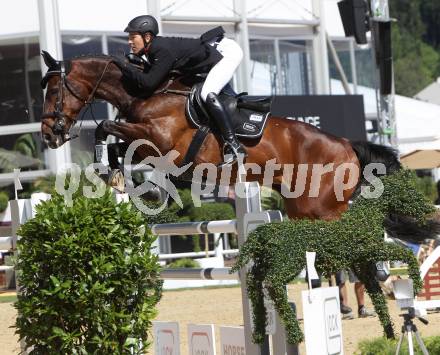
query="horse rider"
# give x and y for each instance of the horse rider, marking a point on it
(212, 53)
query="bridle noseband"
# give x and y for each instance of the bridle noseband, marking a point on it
(59, 126)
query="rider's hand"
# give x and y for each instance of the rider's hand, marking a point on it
(135, 59)
(120, 63)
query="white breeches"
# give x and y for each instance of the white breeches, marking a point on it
(223, 71)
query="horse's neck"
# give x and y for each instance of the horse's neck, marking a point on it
(110, 89)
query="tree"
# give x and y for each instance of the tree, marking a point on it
(430, 13)
(416, 63)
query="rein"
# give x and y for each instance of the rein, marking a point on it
(166, 90)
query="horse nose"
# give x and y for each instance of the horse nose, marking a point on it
(46, 137)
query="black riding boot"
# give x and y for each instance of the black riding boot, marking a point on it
(223, 121)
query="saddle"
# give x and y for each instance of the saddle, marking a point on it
(249, 114)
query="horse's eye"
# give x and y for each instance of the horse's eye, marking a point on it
(52, 92)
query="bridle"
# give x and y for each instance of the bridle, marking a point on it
(59, 126)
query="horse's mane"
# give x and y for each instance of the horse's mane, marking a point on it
(179, 79)
(92, 56)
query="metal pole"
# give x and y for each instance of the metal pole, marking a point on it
(153, 8)
(244, 206)
(242, 37)
(279, 85)
(50, 40)
(338, 64)
(353, 66)
(320, 56)
(386, 103)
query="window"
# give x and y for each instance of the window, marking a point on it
(21, 96)
(365, 68)
(21, 102)
(294, 73)
(263, 67)
(279, 67)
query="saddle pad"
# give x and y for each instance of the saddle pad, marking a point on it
(247, 123)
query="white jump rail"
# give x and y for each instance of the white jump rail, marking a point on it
(199, 274)
(188, 228)
(196, 254)
(6, 243)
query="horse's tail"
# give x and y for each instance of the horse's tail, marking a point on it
(410, 230)
(367, 153)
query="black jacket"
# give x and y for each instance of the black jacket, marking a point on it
(188, 55)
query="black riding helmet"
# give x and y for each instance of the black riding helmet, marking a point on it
(143, 24)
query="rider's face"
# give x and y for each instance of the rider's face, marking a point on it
(136, 42)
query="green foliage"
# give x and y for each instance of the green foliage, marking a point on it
(4, 199)
(379, 346)
(414, 38)
(430, 12)
(184, 263)
(212, 212)
(8, 299)
(25, 144)
(356, 241)
(207, 212)
(271, 200)
(89, 280)
(10, 160)
(383, 346)
(44, 184)
(427, 186)
(82, 157)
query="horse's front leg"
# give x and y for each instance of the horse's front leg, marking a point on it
(108, 155)
(122, 130)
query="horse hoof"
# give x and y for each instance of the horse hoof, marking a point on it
(116, 180)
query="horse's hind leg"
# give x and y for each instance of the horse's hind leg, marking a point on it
(367, 275)
(278, 295)
(397, 253)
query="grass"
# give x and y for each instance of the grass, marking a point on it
(401, 271)
(8, 298)
(382, 346)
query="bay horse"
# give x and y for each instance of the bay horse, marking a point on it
(161, 119)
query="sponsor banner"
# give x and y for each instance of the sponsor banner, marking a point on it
(341, 115)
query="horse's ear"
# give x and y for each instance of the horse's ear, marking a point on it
(49, 60)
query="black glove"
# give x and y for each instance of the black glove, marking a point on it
(135, 59)
(120, 63)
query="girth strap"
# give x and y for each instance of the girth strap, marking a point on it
(195, 144)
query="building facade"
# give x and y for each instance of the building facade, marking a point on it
(284, 43)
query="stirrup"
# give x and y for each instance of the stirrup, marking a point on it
(232, 153)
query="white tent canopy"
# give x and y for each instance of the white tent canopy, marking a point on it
(81, 15)
(418, 122)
